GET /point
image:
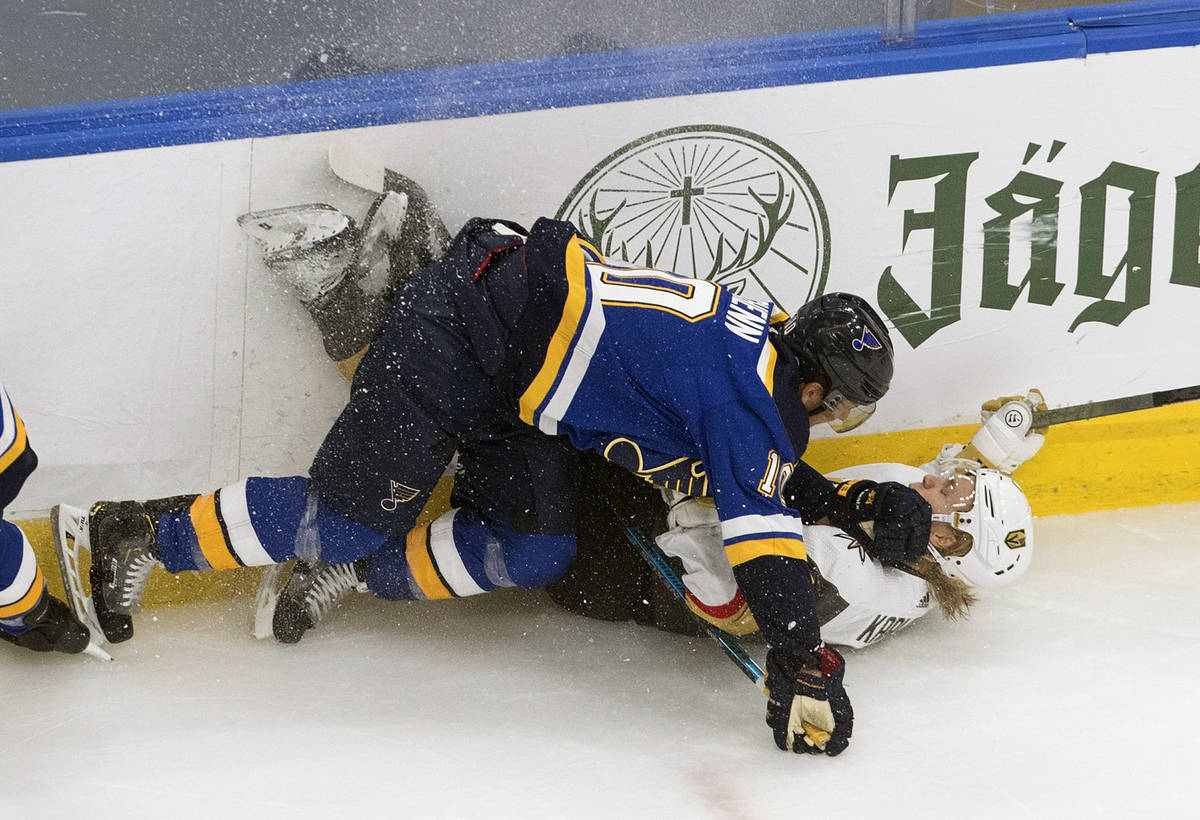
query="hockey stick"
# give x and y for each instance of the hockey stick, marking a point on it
(658, 559)
(70, 528)
(1110, 407)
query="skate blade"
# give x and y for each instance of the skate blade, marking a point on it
(294, 228)
(70, 528)
(96, 652)
(265, 600)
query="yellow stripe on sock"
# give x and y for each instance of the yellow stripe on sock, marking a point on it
(28, 599)
(421, 563)
(18, 446)
(208, 533)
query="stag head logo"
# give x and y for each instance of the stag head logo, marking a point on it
(712, 202)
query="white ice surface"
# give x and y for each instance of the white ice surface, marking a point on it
(1071, 694)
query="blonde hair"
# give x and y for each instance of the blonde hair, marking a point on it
(952, 595)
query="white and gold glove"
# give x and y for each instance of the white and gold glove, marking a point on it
(1006, 440)
(690, 511)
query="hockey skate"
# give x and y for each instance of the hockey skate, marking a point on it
(311, 591)
(308, 246)
(121, 535)
(425, 237)
(382, 226)
(315, 247)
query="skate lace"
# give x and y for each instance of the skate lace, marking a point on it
(327, 586)
(134, 577)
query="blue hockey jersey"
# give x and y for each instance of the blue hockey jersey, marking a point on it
(677, 379)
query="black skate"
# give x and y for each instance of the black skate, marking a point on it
(122, 536)
(311, 591)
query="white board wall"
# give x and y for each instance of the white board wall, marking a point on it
(149, 351)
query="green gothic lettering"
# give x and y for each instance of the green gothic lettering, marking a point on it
(1134, 263)
(1009, 203)
(946, 220)
(1185, 265)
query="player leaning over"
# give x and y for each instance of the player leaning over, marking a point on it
(29, 615)
(507, 349)
(346, 276)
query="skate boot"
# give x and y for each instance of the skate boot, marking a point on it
(382, 227)
(424, 237)
(52, 627)
(309, 594)
(122, 536)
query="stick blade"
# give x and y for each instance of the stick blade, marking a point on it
(355, 168)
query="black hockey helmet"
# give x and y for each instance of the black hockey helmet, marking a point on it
(840, 337)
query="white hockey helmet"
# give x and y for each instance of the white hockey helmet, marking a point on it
(1001, 526)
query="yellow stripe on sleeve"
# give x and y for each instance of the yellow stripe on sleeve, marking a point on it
(208, 533)
(560, 342)
(28, 599)
(768, 375)
(18, 446)
(743, 551)
(420, 562)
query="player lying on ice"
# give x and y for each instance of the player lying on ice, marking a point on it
(515, 351)
(982, 537)
(29, 615)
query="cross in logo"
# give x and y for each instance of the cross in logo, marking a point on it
(686, 193)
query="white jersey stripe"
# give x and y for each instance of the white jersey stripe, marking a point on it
(26, 575)
(446, 556)
(243, 540)
(8, 422)
(747, 525)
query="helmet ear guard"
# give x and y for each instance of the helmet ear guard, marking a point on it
(1001, 527)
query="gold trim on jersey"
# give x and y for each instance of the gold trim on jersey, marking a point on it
(650, 474)
(743, 551)
(766, 365)
(560, 343)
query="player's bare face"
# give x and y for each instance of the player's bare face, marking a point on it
(947, 495)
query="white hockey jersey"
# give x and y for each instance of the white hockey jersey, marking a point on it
(859, 600)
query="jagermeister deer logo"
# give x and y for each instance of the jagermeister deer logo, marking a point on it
(712, 202)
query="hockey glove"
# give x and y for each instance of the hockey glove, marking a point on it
(689, 511)
(807, 708)
(54, 629)
(1006, 440)
(902, 519)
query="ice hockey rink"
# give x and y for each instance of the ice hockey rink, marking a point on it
(1070, 694)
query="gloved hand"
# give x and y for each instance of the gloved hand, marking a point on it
(689, 511)
(902, 518)
(55, 629)
(1006, 440)
(807, 708)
